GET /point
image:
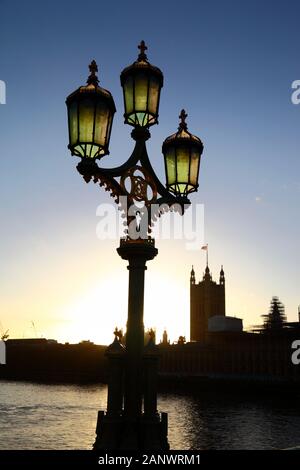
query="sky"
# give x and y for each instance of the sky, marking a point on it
(230, 64)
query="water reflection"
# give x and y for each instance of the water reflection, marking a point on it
(223, 420)
(34, 416)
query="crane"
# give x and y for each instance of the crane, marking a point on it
(34, 328)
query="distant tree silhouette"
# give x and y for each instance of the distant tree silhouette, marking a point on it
(181, 340)
(276, 317)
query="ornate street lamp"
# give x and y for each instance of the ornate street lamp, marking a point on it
(128, 422)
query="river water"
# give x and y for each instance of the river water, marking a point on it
(35, 416)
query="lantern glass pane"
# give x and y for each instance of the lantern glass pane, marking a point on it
(182, 188)
(86, 120)
(171, 166)
(109, 124)
(88, 150)
(95, 151)
(132, 119)
(73, 123)
(141, 92)
(101, 122)
(195, 160)
(153, 95)
(79, 150)
(183, 164)
(141, 119)
(128, 94)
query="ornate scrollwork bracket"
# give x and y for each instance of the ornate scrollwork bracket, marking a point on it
(145, 195)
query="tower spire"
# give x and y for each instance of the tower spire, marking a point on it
(207, 275)
(222, 276)
(192, 278)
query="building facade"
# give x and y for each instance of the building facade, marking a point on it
(234, 355)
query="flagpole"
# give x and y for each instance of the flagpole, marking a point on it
(205, 247)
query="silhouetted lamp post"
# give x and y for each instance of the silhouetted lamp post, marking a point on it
(131, 420)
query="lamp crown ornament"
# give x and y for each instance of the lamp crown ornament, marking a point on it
(92, 78)
(142, 47)
(182, 116)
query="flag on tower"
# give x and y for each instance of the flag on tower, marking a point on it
(205, 248)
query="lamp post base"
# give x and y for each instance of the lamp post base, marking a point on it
(119, 433)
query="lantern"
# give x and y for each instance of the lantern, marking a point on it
(141, 84)
(90, 115)
(182, 153)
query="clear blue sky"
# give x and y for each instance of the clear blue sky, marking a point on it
(230, 64)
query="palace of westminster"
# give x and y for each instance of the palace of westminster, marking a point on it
(218, 345)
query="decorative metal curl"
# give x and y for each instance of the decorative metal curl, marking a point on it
(139, 185)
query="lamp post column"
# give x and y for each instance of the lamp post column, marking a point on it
(137, 253)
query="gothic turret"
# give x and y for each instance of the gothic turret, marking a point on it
(222, 277)
(192, 278)
(207, 275)
(165, 340)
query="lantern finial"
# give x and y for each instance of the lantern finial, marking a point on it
(93, 79)
(142, 47)
(182, 116)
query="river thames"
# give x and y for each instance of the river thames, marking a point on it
(35, 416)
